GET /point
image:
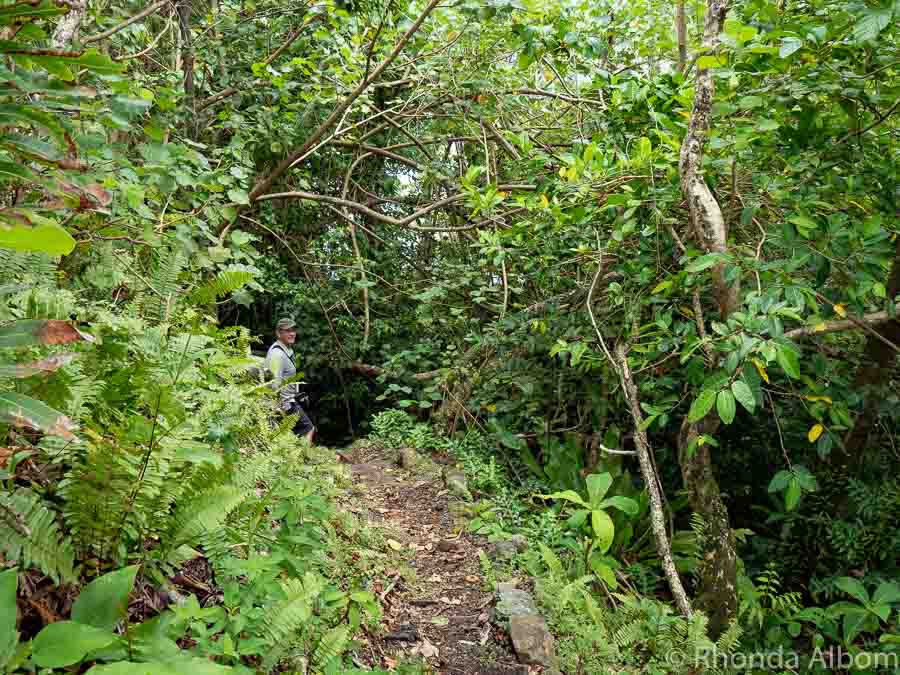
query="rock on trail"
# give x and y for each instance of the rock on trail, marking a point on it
(443, 612)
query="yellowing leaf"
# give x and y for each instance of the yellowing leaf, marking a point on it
(761, 369)
(395, 545)
(815, 432)
(819, 327)
(501, 195)
(824, 399)
(491, 407)
(840, 311)
(545, 203)
(687, 311)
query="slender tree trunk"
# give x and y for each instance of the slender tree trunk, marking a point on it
(681, 33)
(187, 63)
(657, 517)
(718, 561)
(875, 371)
(66, 31)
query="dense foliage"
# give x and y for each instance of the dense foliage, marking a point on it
(636, 267)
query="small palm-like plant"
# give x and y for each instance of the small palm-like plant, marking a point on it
(603, 530)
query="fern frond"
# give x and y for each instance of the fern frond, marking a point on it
(286, 619)
(224, 283)
(204, 513)
(730, 640)
(331, 646)
(30, 534)
(552, 561)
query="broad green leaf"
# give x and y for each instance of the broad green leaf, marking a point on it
(239, 196)
(854, 588)
(18, 12)
(104, 601)
(184, 666)
(711, 61)
(725, 406)
(576, 520)
(604, 530)
(872, 23)
(705, 261)
(856, 621)
(625, 504)
(744, 395)
(788, 360)
(702, 405)
(886, 593)
(792, 494)
(65, 643)
(51, 239)
(780, 481)
(598, 486)
(9, 636)
(789, 45)
(604, 571)
(24, 412)
(569, 496)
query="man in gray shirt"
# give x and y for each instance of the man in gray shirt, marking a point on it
(280, 362)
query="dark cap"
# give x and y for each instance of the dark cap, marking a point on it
(285, 324)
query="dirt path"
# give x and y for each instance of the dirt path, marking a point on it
(442, 611)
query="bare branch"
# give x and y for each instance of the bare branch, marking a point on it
(872, 319)
(147, 11)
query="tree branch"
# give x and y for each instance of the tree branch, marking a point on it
(137, 17)
(265, 183)
(872, 319)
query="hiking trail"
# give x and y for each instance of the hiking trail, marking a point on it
(439, 607)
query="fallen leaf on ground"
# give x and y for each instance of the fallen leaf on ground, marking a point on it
(428, 650)
(436, 578)
(448, 601)
(396, 545)
(440, 621)
(473, 579)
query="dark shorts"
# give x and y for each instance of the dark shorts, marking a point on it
(304, 424)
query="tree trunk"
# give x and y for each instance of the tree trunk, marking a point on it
(681, 33)
(718, 557)
(67, 29)
(875, 371)
(657, 522)
(187, 64)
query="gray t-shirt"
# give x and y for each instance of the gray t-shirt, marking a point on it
(280, 362)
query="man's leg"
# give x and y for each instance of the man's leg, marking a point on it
(304, 427)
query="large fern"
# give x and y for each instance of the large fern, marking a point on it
(331, 646)
(30, 535)
(224, 283)
(288, 617)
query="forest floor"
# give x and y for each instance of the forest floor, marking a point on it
(437, 604)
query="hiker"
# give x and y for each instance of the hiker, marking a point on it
(280, 362)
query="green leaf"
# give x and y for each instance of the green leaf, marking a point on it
(51, 239)
(9, 636)
(104, 601)
(888, 592)
(854, 588)
(705, 261)
(780, 481)
(725, 406)
(604, 530)
(789, 45)
(239, 196)
(701, 405)
(855, 622)
(625, 504)
(604, 571)
(24, 412)
(66, 643)
(872, 23)
(569, 496)
(788, 360)
(17, 12)
(792, 494)
(710, 61)
(744, 395)
(598, 486)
